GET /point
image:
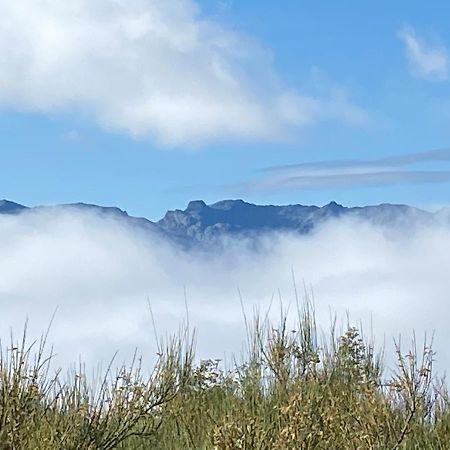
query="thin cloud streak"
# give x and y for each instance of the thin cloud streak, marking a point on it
(353, 173)
(438, 155)
(345, 173)
(387, 178)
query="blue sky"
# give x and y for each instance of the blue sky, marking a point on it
(138, 121)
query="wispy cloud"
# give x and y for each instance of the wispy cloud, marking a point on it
(425, 60)
(157, 69)
(438, 155)
(386, 171)
(365, 179)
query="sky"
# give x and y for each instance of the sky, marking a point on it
(146, 104)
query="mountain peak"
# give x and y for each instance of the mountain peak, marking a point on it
(9, 207)
(333, 205)
(196, 205)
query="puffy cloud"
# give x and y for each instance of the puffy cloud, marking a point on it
(99, 273)
(425, 60)
(154, 68)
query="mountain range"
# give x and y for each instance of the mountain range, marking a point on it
(200, 222)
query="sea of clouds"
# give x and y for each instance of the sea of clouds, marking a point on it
(99, 274)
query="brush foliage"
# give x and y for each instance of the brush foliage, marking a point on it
(289, 392)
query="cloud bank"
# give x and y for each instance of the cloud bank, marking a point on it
(425, 60)
(151, 68)
(99, 274)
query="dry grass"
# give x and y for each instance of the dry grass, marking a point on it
(290, 392)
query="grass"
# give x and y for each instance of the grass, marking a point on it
(291, 391)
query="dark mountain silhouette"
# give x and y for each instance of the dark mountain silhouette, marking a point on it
(7, 207)
(200, 222)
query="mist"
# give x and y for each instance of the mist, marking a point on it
(98, 276)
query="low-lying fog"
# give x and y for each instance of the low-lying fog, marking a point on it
(98, 273)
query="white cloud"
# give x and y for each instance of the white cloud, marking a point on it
(425, 60)
(149, 68)
(99, 273)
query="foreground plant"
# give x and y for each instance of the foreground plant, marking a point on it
(40, 411)
(292, 390)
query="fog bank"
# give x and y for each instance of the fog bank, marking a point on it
(98, 273)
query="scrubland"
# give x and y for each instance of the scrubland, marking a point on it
(293, 388)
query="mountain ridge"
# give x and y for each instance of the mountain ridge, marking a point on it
(201, 222)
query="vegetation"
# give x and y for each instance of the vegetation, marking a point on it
(292, 391)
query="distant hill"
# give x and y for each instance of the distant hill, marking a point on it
(200, 222)
(7, 207)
